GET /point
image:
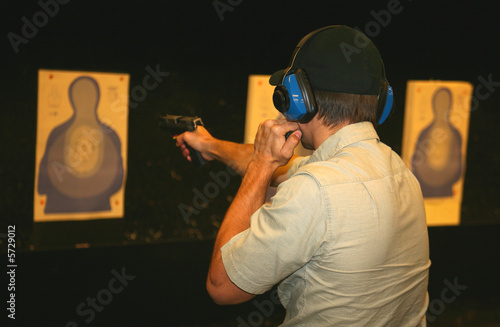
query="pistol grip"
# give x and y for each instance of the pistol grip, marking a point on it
(196, 157)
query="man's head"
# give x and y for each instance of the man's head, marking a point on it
(336, 73)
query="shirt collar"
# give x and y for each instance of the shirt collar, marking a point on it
(345, 136)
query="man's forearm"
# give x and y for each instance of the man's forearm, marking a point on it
(235, 155)
(249, 198)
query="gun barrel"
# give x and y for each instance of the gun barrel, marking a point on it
(179, 123)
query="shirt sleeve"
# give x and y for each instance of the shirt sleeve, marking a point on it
(296, 164)
(282, 237)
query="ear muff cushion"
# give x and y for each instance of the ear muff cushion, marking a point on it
(281, 100)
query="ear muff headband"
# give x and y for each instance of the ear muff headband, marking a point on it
(294, 96)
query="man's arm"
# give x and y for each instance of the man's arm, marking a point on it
(250, 197)
(270, 152)
(235, 155)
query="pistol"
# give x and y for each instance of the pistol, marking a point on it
(180, 124)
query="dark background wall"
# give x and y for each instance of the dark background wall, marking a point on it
(209, 56)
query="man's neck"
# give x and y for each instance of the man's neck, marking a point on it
(323, 132)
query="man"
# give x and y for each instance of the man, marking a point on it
(345, 236)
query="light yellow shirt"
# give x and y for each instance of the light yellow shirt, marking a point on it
(345, 237)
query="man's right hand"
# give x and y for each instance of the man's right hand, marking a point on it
(199, 140)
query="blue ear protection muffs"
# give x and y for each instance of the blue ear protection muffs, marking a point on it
(294, 97)
(385, 99)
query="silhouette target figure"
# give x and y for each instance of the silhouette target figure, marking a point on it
(437, 161)
(82, 164)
